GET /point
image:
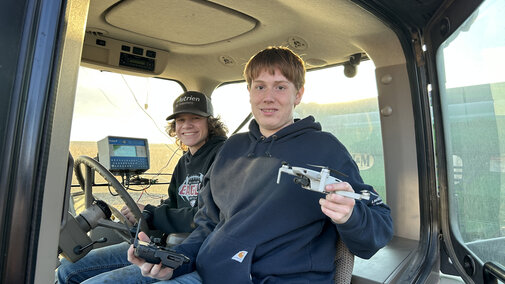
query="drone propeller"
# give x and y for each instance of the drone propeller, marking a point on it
(331, 170)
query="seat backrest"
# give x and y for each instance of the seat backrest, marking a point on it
(344, 263)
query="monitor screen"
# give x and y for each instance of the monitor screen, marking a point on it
(124, 151)
(124, 154)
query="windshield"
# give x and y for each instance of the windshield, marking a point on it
(111, 104)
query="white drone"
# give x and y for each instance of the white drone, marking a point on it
(316, 181)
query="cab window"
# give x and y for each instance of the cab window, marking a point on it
(346, 107)
(231, 103)
(349, 109)
(472, 93)
(112, 104)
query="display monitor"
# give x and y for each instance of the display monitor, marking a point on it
(122, 155)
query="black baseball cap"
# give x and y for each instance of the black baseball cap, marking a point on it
(192, 102)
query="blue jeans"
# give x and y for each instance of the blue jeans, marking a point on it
(190, 278)
(103, 265)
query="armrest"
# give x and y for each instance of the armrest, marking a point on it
(386, 264)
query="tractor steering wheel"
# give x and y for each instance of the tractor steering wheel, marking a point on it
(86, 185)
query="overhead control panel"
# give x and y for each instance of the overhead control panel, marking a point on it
(117, 55)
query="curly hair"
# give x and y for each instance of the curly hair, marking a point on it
(215, 125)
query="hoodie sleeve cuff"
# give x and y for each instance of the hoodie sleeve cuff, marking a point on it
(354, 220)
(191, 252)
(150, 216)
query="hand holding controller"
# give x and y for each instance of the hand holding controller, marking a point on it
(154, 254)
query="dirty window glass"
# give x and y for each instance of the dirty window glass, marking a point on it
(472, 82)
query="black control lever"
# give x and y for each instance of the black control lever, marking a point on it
(79, 249)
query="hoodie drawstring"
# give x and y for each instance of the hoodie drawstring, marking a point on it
(252, 148)
(255, 142)
(267, 152)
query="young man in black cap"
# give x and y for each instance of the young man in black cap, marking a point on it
(200, 135)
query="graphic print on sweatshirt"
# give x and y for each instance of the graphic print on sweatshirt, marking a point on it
(188, 190)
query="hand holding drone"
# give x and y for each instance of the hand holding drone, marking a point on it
(316, 181)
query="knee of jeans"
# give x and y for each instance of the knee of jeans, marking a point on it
(64, 272)
(61, 270)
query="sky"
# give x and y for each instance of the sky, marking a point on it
(475, 55)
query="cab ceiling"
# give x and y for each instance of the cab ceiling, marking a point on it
(212, 40)
(186, 23)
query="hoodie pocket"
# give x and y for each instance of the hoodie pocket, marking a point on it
(224, 259)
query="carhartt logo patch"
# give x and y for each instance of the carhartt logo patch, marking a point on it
(239, 256)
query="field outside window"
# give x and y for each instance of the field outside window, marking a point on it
(472, 78)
